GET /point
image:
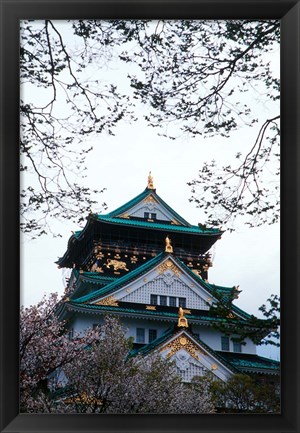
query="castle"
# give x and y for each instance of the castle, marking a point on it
(147, 265)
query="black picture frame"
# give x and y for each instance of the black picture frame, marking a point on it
(289, 13)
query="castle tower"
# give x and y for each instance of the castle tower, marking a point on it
(146, 264)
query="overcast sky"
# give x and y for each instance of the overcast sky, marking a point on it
(121, 163)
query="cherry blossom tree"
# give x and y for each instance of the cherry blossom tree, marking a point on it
(94, 373)
(44, 349)
(106, 380)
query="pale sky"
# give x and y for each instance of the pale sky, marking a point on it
(121, 163)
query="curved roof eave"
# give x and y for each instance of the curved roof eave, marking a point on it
(195, 230)
(105, 219)
(155, 315)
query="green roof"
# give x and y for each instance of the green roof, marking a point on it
(95, 277)
(141, 197)
(237, 361)
(80, 306)
(112, 217)
(245, 361)
(114, 285)
(167, 334)
(155, 225)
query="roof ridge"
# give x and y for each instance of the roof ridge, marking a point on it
(130, 203)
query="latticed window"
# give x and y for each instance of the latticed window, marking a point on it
(153, 299)
(172, 301)
(225, 343)
(182, 302)
(163, 300)
(237, 347)
(140, 335)
(152, 334)
(151, 216)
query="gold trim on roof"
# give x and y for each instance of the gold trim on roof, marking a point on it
(150, 181)
(182, 342)
(110, 301)
(168, 266)
(150, 199)
(169, 248)
(117, 264)
(182, 320)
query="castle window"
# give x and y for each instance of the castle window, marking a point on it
(172, 301)
(163, 300)
(153, 299)
(140, 335)
(237, 347)
(225, 343)
(152, 334)
(182, 302)
(150, 216)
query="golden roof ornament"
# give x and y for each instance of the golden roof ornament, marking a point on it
(182, 320)
(150, 181)
(169, 248)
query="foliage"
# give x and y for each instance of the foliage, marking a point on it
(116, 383)
(93, 373)
(44, 349)
(60, 108)
(260, 331)
(194, 77)
(242, 393)
(199, 77)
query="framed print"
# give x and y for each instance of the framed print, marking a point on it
(136, 269)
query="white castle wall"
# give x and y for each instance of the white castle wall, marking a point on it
(140, 209)
(208, 335)
(161, 286)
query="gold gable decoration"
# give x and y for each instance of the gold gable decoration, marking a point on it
(149, 199)
(169, 266)
(182, 342)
